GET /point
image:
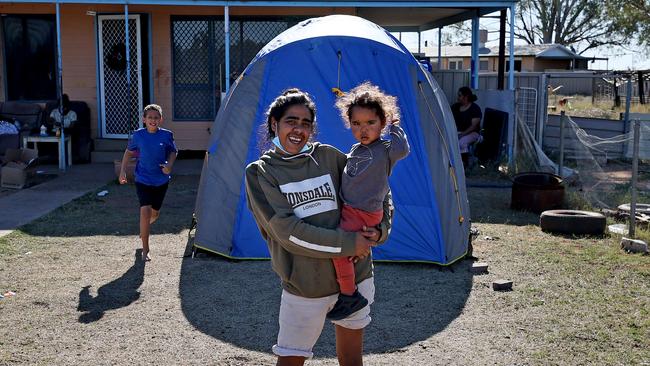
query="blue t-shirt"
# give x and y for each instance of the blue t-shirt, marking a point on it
(154, 149)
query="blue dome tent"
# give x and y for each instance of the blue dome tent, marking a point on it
(320, 55)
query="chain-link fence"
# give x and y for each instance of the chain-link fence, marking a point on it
(527, 106)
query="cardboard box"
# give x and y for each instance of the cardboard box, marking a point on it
(130, 169)
(19, 165)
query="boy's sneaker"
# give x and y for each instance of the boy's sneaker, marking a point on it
(347, 305)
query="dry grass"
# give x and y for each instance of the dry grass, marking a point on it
(584, 106)
(82, 298)
(578, 300)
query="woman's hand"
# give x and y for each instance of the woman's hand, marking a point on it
(371, 233)
(365, 239)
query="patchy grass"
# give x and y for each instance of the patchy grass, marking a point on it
(579, 300)
(80, 293)
(115, 214)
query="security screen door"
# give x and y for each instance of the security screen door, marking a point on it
(120, 96)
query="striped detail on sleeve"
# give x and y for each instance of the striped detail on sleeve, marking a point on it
(312, 246)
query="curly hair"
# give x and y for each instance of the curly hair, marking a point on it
(369, 96)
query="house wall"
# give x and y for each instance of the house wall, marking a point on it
(467, 63)
(527, 63)
(543, 65)
(79, 53)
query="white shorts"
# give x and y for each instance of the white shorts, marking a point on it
(302, 320)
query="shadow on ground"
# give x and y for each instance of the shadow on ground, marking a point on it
(119, 293)
(492, 206)
(238, 303)
(37, 179)
(118, 212)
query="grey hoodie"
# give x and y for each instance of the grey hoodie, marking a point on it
(295, 202)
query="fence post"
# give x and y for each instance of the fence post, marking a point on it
(628, 99)
(544, 112)
(561, 162)
(641, 88)
(512, 159)
(635, 168)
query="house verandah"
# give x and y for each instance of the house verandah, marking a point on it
(183, 55)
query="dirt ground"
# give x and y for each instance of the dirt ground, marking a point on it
(83, 297)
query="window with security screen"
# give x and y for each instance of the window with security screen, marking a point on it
(198, 59)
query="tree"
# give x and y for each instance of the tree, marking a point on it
(456, 33)
(632, 17)
(578, 24)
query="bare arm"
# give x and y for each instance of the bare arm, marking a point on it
(128, 154)
(167, 168)
(474, 127)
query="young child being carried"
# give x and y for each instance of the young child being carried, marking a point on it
(369, 113)
(156, 156)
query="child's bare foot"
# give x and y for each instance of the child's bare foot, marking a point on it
(154, 217)
(145, 256)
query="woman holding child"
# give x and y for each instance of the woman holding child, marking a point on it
(293, 192)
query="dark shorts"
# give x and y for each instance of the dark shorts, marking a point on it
(151, 195)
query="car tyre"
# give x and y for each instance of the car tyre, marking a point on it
(573, 222)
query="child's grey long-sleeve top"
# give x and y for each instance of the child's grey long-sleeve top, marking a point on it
(365, 177)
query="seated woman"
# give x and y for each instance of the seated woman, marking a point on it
(69, 116)
(468, 121)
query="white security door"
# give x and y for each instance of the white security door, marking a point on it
(120, 96)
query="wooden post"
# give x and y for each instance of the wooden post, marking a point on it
(641, 89)
(59, 67)
(635, 168)
(502, 51)
(561, 162)
(628, 99)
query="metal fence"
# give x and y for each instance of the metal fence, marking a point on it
(556, 91)
(527, 107)
(450, 81)
(610, 88)
(530, 88)
(602, 128)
